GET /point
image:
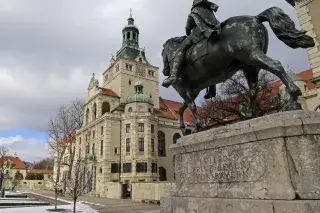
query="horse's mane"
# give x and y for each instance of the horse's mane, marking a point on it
(175, 40)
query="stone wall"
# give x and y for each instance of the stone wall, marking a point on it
(151, 191)
(112, 190)
(33, 184)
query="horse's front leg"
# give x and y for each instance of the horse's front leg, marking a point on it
(183, 107)
(193, 107)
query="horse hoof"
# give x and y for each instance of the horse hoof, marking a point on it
(186, 132)
(293, 106)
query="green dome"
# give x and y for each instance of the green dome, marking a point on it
(139, 97)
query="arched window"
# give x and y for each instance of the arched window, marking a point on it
(94, 112)
(87, 116)
(162, 174)
(128, 35)
(176, 137)
(124, 37)
(140, 60)
(161, 144)
(130, 109)
(134, 36)
(105, 108)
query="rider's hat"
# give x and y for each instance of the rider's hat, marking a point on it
(197, 2)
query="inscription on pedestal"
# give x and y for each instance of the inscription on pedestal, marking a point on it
(224, 165)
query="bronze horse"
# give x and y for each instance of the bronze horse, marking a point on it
(242, 45)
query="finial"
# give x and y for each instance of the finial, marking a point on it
(93, 75)
(130, 13)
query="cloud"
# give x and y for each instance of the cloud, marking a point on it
(28, 149)
(49, 49)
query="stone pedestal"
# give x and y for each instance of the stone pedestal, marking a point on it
(269, 165)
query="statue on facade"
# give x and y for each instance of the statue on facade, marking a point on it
(208, 57)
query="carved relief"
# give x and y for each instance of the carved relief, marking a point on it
(225, 165)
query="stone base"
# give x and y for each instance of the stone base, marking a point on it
(264, 165)
(218, 205)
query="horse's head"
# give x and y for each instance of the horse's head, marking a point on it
(169, 47)
(166, 65)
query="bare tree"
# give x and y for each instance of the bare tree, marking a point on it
(3, 166)
(46, 164)
(79, 181)
(61, 138)
(18, 177)
(235, 101)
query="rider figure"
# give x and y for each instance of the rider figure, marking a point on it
(201, 24)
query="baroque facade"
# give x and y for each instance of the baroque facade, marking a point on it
(309, 81)
(127, 127)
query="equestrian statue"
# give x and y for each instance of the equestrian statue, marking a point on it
(212, 52)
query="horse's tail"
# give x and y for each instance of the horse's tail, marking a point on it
(284, 28)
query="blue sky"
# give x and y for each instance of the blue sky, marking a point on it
(49, 49)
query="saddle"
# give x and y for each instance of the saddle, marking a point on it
(197, 51)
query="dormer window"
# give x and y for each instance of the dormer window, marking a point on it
(140, 60)
(117, 68)
(151, 73)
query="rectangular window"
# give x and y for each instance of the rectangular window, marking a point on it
(127, 168)
(152, 145)
(127, 128)
(93, 149)
(106, 77)
(93, 134)
(128, 144)
(87, 149)
(115, 168)
(101, 148)
(152, 128)
(141, 144)
(116, 151)
(117, 68)
(142, 167)
(151, 73)
(154, 168)
(101, 130)
(129, 67)
(80, 153)
(80, 140)
(141, 127)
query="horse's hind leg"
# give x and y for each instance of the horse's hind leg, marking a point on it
(259, 60)
(252, 75)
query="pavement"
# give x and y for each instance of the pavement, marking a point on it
(105, 205)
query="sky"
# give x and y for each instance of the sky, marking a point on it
(49, 50)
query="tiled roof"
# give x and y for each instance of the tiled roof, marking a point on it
(18, 164)
(41, 171)
(108, 92)
(170, 109)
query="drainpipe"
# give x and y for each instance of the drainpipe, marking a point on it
(120, 163)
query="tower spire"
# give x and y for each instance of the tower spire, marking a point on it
(130, 33)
